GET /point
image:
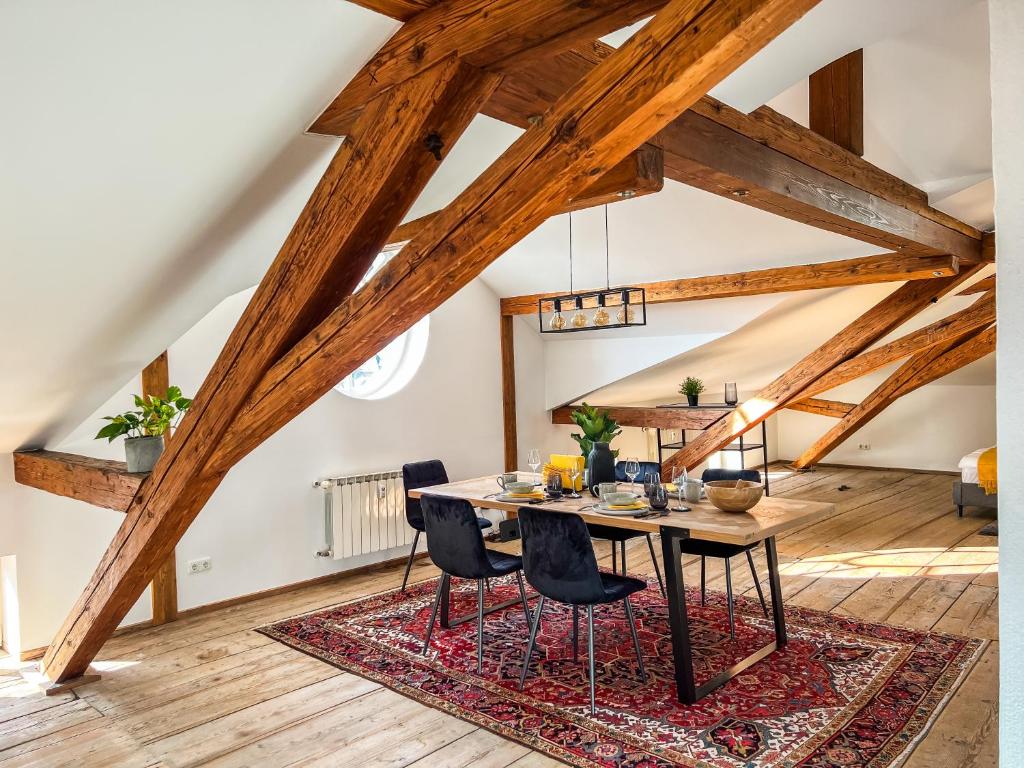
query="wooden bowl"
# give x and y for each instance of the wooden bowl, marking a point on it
(734, 495)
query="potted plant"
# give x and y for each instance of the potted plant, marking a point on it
(691, 388)
(144, 428)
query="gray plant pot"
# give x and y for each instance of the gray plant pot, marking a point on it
(142, 452)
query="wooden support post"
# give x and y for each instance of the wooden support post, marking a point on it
(508, 391)
(883, 318)
(837, 102)
(368, 187)
(164, 588)
(925, 366)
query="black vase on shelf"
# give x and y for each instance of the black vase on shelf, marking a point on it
(691, 400)
(600, 467)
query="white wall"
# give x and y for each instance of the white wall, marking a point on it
(265, 521)
(1007, 36)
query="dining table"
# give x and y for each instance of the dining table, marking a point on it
(769, 518)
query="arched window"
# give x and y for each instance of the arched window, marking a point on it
(393, 367)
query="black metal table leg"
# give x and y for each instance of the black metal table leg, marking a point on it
(764, 454)
(778, 611)
(682, 654)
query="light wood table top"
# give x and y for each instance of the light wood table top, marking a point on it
(771, 516)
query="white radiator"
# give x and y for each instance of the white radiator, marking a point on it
(364, 513)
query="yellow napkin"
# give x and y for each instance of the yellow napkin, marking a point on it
(634, 505)
(987, 472)
(530, 495)
(561, 463)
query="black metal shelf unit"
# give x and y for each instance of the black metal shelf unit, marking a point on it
(742, 447)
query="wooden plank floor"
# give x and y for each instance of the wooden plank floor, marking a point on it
(207, 690)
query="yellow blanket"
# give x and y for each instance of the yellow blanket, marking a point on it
(561, 464)
(987, 471)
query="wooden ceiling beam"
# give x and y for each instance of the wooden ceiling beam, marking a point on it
(832, 408)
(884, 268)
(905, 302)
(641, 173)
(976, 316)
(495, 35)
(658, 73)
(982, 286)
(660, 417)
(836, 100)
(924, 367)
(99, 482)
(363, 195)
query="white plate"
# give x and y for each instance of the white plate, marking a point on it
(605, 510)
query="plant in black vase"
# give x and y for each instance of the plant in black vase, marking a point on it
(598, 430)
(692, 388)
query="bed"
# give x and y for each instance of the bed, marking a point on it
(966, 491)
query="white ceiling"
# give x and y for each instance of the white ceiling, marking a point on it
(154, 159)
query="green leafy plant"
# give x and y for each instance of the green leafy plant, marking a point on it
(597, 427)
(691, 387)
(155, 415)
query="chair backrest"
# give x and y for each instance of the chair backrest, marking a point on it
(646, 467)
(558, 557)
(454, 540)
(711, 475)
(419, 475)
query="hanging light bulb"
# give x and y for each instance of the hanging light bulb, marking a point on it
(601, 316)
(557, 322)
(579, 320)
(625, 315)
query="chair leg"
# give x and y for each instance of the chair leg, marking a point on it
(479, 626)
(654, 559)
(433, 612)
(533, 637)
(636, 639)
(757, 583)
(590, 655)
(959, 510)
(622, 546)
(412, 555)
(575, 633)
(615, 559)
(728, 592)
(522, 595)
(488, 583)
(703, 581)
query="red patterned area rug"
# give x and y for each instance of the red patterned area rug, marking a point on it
(841, 693)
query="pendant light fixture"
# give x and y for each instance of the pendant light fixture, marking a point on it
(628, 304)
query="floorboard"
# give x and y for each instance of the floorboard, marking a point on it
(209, 691)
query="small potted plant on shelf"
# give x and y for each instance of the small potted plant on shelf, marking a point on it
(144, 428)
(691, 388)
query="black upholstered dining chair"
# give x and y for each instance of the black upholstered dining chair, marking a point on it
(559, 562)
(421, 474)
(725, 552)
(457, 548)
(619, 536)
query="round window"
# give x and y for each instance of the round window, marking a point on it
(393, 367)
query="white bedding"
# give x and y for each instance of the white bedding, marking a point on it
(969, 466)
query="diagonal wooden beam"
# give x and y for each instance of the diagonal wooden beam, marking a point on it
(924, 367)
(982, 286)
(660, 71)
(836, 100)
(880, 320)
(641, 173)
(832, 408)
(361, 198)
(884, 268)
(976, 316)
(495, 35)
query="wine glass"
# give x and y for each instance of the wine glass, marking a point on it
(678, 480)
(574, 473)
(632, 470)
(533, 459)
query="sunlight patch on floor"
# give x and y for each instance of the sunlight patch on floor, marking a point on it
(909, 561)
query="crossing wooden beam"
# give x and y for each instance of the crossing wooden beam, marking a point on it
(884, 268)
(832, 408)
(660, 417)
(361, 198)
(924, 367)
(982, 286)
(99, 482)
(905, 302)
(836, 101)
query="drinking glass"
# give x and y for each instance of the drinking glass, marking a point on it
(731, 396)
(632, 470)
(679, 479)
(554, 484)
(652, 481)
(574, 473)
(533, 459)
(658, 497)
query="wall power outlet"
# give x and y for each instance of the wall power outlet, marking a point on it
(200, 565)
(864, 446)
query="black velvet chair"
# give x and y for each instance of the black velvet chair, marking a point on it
(457, 548)
(420, 475)
(559, 562)
(619, 536)
(726, 552)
